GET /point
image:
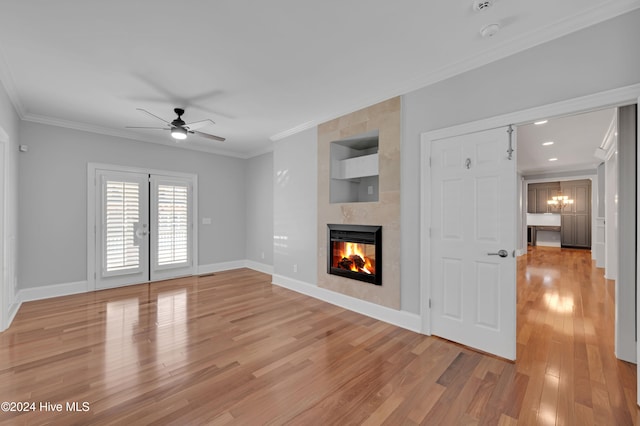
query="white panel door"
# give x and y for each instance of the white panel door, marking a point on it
(172, 227)
(473, 218)
(122, 228)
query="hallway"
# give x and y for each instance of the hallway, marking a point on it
(565, 339)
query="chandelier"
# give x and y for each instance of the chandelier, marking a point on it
(560, 201)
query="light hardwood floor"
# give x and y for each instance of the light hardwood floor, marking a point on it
(233, 349)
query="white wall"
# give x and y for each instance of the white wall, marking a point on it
(563, 69)
(9, 124)
(53, 199)
(259, 221)
(295, 207)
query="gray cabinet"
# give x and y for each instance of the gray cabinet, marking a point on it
(576, 217)
(538, 194)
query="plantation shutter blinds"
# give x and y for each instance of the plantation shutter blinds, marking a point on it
(173, 223)
(120, 224)
(171, 218)
(145, 230)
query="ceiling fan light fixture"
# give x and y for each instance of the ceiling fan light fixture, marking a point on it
(179, 133)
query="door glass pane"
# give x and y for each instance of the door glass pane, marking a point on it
(122, 217)
(173, 223)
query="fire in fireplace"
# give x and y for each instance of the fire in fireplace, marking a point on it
(355, 251)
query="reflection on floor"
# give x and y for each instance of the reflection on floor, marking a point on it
(565, 342)
(233, 349)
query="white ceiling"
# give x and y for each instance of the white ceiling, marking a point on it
(575, 139)
(260, 70)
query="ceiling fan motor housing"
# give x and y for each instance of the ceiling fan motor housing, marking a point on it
(179, 122)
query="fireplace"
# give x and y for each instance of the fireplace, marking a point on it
(355, 251)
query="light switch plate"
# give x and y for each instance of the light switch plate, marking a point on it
(206, 221)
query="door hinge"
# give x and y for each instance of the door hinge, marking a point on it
(429, 303)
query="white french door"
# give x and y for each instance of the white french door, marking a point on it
(472, 243)
(172, 227)
(144, 228)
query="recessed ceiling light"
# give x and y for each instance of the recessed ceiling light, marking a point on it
(537, 123)
(553, 159)
(547, 143)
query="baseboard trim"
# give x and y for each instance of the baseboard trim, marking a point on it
(260, 267)
(49, 291)
(401, 319)
(66, 289)
(222, 266)
(11, 314)
(235, 264)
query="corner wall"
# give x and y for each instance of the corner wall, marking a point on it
(9, 141)
(53, 201)
(295, 246)
(259, 212)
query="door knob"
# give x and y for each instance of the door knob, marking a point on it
(501, 253)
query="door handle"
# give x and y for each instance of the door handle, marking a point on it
(501, 253)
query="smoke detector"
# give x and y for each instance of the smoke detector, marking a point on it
(489, 30)
(479, 5)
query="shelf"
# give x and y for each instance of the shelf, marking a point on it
(356, 167)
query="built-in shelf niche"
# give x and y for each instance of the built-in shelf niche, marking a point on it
(354, 169)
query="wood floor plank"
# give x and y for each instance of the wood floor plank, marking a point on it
(231, 348)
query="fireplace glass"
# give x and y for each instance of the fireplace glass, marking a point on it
(355, 251)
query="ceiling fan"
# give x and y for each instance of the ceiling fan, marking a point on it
(179, 129)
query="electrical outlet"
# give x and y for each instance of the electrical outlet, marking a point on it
(262, 255)
(295, 267)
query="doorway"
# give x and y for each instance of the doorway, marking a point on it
(143, 226)
(593, 102)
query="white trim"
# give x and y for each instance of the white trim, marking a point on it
(4, 303)
(8, 82)
(398, 318)
(512, 46)
(129, 134)
(67, 289)
(425, 237)
(11, 314)
(235, 264)
(91, 210)
(49, 291)
(260, 267)
(610, 98)
(222, 266)
(637, 246)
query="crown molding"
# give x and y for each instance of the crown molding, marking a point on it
(261, 151)
(124, 134)
(506, 48)
(6, 79)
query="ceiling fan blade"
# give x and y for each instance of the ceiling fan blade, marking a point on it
(154, 128)
(208, 136)
(198, 124)
(155, 116)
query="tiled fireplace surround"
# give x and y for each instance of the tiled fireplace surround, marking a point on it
(385, 117)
